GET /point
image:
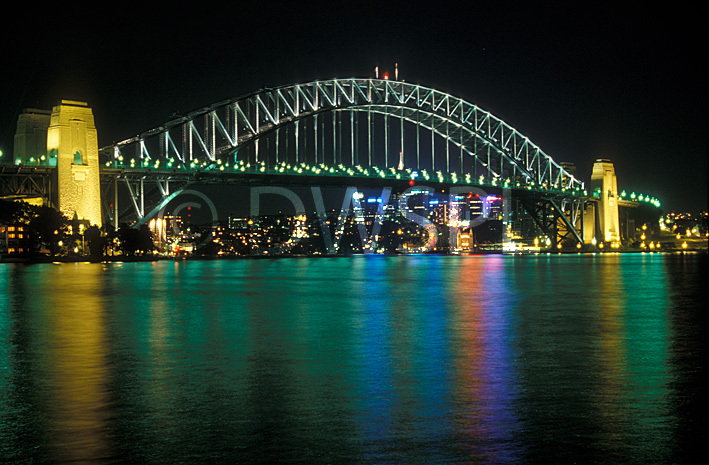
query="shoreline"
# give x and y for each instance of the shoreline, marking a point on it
(153, 258)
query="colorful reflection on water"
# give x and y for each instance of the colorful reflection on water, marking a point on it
(370, 359)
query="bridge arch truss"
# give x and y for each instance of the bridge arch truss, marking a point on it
(347, 127)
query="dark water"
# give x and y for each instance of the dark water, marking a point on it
(369, 359)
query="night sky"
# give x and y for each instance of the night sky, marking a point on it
(602, 82)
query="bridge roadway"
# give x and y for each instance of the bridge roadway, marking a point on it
(21, 181)
(153, 188)
(27, 181)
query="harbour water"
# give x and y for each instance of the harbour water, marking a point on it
(364, 359)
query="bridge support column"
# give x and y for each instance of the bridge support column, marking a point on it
(603, 180)
(559, 219)
(72, 138)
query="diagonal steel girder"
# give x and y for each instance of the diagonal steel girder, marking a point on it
(147, 193)
(546, 213)
(568, 222)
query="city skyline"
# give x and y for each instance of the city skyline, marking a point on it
(580, 84)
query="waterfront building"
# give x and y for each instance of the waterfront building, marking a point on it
(14, 239)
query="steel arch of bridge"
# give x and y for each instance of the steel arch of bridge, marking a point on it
(467, 144)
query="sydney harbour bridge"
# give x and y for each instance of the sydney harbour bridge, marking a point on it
(392, 136)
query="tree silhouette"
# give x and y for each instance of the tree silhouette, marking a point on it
(135, 240)
(96, 242)
(45, 225)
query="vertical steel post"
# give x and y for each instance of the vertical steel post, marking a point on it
(448, 147)
(488, 162)
(401, 129)
(287, 143)
(433, 149)
(297, 142)
(257, 131)
(115, 203)
(369, 134)
(460, 146)
(418, 141)
(386, 137)
(322, 141)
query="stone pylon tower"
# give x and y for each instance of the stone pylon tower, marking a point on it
(31, 137)
(72, 139)
(603, 178)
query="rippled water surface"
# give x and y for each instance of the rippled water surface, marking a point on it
(366, 359)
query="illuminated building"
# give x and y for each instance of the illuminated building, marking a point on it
(159, 232)
(238, 223)
(14, 239)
